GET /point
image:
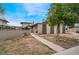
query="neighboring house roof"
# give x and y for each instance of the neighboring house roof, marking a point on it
(26, 23)
(2, 18)
(36, 24)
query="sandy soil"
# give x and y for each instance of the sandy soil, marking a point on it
(24, 46)
(64, 42)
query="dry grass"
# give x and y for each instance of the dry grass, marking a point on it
(63, 41)
(24, 46)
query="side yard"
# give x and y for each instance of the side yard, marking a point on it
(24, 46)
(64, 41)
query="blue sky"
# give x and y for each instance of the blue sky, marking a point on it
(29, 12)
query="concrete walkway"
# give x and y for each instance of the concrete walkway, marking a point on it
(71, 51)
(49, 44)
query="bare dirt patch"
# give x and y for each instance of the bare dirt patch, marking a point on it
(24, 46)
(64, 42)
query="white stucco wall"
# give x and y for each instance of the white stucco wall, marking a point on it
(55, 29)
(61, 28)
(2, 22)
(40, 28)
(34, 29)
(24, 25)
(48, 29)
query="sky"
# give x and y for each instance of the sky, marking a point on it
(27, 12)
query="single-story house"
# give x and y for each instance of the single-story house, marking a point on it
(25, 24)
(3, 22)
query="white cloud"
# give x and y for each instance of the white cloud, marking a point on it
(35, 9)
(13, 21)
(32, 9)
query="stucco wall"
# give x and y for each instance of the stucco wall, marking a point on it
(48, 29)
(40, 28)
(2, 23)
(24, 25)
(61, 28)
(55, 29)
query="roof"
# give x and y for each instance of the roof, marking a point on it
(26, 23)
(35, 24)
(2, 18)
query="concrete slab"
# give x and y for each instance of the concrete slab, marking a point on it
(71, 51)
(48, 43)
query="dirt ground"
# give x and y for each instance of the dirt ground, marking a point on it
(64, 42)
(24, 46)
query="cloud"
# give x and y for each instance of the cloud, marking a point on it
(13, 21)
(26, 12)
(35, 9)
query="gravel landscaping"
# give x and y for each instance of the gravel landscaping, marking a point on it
(64, 42)
(24, 46)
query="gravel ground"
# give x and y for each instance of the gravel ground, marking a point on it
(24, 46)
(63, 41)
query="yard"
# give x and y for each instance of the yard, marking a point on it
(24, 46)
(63, 41)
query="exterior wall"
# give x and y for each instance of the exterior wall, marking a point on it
(48, 29)
(51, 29)
(39, 29)
(31, 30)
(35, 29)
(55, 29)
(3, 23)
(24, 25)
(61, 28)
(44, 28)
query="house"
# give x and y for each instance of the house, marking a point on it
(43, 28)
(3, 22)
(36, 28)
(25, 24)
